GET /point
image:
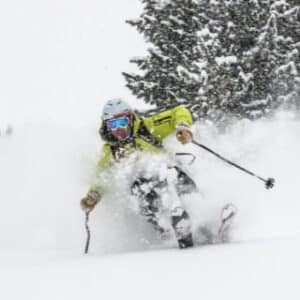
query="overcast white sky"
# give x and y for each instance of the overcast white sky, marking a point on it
(59, 61)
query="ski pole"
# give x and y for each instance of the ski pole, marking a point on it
(88, 232)
(269, 183)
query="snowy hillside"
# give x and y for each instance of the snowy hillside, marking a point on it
(60, 60)
(45, 169)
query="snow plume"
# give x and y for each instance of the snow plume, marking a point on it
(124, 228)
(269, 148)
(46, 169)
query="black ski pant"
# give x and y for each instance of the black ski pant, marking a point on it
(148, 191)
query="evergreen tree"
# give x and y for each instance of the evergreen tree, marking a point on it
(170, 72)
(253, 30)
(287, 82)
(220, 57)
(253, 45)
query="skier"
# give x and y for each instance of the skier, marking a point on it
(124, 131)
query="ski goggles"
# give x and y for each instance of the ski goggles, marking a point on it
(114, 124)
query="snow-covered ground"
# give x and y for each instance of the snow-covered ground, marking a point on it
(60, 60)
(45, 169)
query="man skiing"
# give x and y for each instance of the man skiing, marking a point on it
(124, 132)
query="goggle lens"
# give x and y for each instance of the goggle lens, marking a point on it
(114, 124)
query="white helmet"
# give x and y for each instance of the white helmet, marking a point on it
(114, 108)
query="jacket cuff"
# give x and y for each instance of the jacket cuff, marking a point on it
(95, 195)
(181, 126)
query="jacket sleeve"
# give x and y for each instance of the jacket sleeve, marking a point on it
(182, 116)
(96, 189)
(166, 123)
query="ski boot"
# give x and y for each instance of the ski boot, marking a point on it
(227, 214)
(182, 226)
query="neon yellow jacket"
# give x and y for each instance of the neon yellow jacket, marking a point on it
(158, 126)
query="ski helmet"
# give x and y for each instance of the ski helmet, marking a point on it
(115, 108)
(117, 117)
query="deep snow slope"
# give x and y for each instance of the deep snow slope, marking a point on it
(47, 167)
(264, 270)
(60, 60)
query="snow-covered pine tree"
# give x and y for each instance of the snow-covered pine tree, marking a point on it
(293, 3)
(253, 28)
(253, 62)
(253, 69)
(218, 65)
(287, 81)
(219, 57)
(169, 74)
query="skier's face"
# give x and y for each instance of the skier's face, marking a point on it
(121, 134)
(120, 128)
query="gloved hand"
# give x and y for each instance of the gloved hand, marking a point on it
(88, 203)
(184, 135)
